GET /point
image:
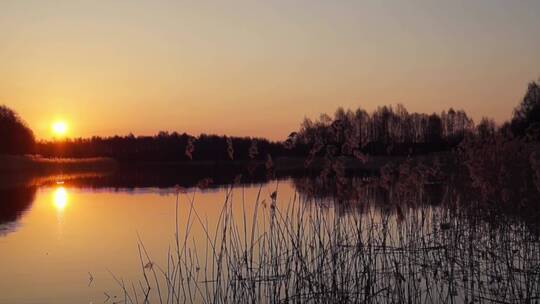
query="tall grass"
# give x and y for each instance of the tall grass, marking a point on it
(308, 251)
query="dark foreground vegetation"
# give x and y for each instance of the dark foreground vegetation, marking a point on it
(425, 249)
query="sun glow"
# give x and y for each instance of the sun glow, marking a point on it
(60, 198)
(59, 128)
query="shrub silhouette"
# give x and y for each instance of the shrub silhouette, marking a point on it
(15, 136)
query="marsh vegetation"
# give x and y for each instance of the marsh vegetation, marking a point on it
(434, 249)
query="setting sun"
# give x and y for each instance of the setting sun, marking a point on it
(59, 128)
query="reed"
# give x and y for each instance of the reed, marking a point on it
(308, 251)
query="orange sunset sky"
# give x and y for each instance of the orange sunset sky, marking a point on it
(258, 67)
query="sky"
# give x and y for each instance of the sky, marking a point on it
(257, 68)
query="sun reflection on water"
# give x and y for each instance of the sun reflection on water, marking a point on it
(60, 198)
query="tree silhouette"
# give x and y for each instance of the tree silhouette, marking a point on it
(527, 113)
(486, 129)
(387, 130)
(15, 136)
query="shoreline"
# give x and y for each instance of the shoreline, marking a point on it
(11, 164)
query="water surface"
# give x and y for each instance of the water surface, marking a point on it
(69, 240)
(64, 235)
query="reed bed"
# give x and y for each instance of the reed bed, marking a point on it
(309, 251)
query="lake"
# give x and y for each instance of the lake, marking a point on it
(91, 240)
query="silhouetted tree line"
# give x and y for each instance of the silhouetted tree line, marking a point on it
(388, 130)
(395, 131)
(15, 136)
(167, 146)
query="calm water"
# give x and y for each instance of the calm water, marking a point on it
(68, 234)
(62, 242)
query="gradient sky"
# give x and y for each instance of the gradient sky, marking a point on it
(259, 67)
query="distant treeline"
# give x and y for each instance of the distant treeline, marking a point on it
(395, 131)
(387, 131)
(167, 147)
